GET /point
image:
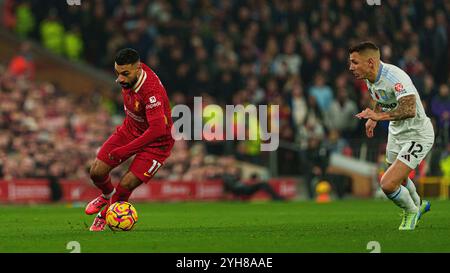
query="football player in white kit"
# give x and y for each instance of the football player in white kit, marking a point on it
(411, 133)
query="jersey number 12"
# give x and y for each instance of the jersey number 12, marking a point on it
(413, 150)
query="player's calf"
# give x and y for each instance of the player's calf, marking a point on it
(99, 174)
(391, 185)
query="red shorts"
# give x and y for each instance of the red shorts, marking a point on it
(146, 162)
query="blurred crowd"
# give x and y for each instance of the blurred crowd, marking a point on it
(290, 53)
(44, 132)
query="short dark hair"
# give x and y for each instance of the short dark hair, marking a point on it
(363, 46)
(127, 56)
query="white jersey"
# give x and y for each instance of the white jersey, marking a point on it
(391, 84)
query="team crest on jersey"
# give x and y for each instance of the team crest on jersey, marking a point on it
(398, 87)
(136, 106)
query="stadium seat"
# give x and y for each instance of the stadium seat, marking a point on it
(443, 183)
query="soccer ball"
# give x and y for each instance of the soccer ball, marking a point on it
(121, 216)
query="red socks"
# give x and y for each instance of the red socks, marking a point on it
(121, 194)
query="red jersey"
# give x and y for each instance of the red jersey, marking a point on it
(148, 113)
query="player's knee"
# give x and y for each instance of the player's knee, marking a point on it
(97, 174)
(130, 181)
(388, 185)
(126, 184)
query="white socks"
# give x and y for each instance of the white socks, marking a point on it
(412, 191)
(109, 195)
(402, 198)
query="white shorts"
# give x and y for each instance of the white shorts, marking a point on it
(410, 149)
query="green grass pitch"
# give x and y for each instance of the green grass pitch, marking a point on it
(340, 226)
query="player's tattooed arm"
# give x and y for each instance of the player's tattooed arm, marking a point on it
(406, 109)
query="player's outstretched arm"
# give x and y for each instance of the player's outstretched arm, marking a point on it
(155, 130)
(406, 109)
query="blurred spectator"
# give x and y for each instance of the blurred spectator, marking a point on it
(234, 185)
(441, 45)
(8, 14)
(445, 162)
(429, 90)
(440, 107)
(73, 44)
(52, 33)
(25, 21)
(22, 65)
(341, 114)
(54, 185)
(299, 109)
(314, 163)
(289, 62)
(313, 126)
(335, 144)
(321, 92)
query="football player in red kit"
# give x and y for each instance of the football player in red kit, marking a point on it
(145, 133)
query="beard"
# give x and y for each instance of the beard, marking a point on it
(125, 85)
(128, 85)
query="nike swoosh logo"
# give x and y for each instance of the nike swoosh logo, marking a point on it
(146, 174)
